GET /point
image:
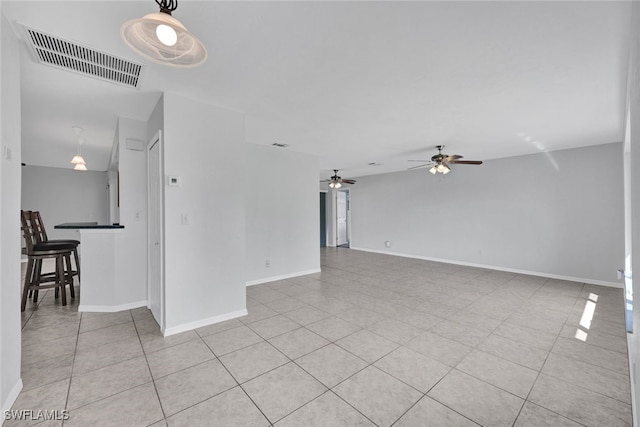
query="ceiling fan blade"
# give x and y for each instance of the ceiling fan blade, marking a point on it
(348, 181)
(419, 166)
(452, 157)
(466, 162)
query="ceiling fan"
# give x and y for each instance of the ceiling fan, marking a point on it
(336, 182)
(440, 162)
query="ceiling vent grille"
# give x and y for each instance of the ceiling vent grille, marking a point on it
(71, 56)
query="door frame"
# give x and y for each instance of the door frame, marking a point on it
(157, 139)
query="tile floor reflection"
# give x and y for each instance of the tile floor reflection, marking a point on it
(372, 340)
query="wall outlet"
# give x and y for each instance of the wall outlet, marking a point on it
(267, 263)
(138, 216)
(387, 244)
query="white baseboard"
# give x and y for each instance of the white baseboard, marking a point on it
(282, 277)
(204, 322)
(11, 398)
(499, 268)
(111, 308)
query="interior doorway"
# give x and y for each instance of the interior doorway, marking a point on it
(342, 218)
(323, 220)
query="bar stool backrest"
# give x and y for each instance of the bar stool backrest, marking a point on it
(38, 227)
(28, 231)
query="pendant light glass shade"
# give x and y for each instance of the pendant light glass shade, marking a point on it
(161, 38)
(77, 159)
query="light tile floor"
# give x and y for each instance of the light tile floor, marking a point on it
(372, 340)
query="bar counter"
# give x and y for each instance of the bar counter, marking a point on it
(87, 226)
(103, 286)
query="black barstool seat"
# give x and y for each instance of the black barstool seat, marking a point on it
(53, 245)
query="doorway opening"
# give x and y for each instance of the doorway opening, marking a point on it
(323, 220)
(342, 219)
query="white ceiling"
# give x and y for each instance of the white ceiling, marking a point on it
(352, 82)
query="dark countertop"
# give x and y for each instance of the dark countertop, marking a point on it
(86, 225)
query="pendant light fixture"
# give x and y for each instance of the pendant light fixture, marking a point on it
(78, 160)
(161, 38)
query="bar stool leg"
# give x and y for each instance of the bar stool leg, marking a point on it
(69, 275)
(36, 279)
(27, 284)
(57, 273)
(60, 278)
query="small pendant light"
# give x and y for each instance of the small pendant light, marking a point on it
(78, 160)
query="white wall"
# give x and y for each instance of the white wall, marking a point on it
(131, 254)
(282, 213)
(65, 195)
(633, 228)
(204, 260)
(554, 214)
(114, 208)
(10, 382)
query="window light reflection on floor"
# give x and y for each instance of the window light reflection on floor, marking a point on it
(587, 317)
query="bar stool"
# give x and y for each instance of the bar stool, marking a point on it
(37, 252)
(41, 237)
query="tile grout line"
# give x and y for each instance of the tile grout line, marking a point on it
(73, 362)
(153, 381)
(542, 367)
(238, 384)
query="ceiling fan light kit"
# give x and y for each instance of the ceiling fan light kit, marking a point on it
(440, 162)
(440, 168)
(163, 39)
(336, 182)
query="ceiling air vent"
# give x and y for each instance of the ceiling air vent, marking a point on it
(71, 56)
